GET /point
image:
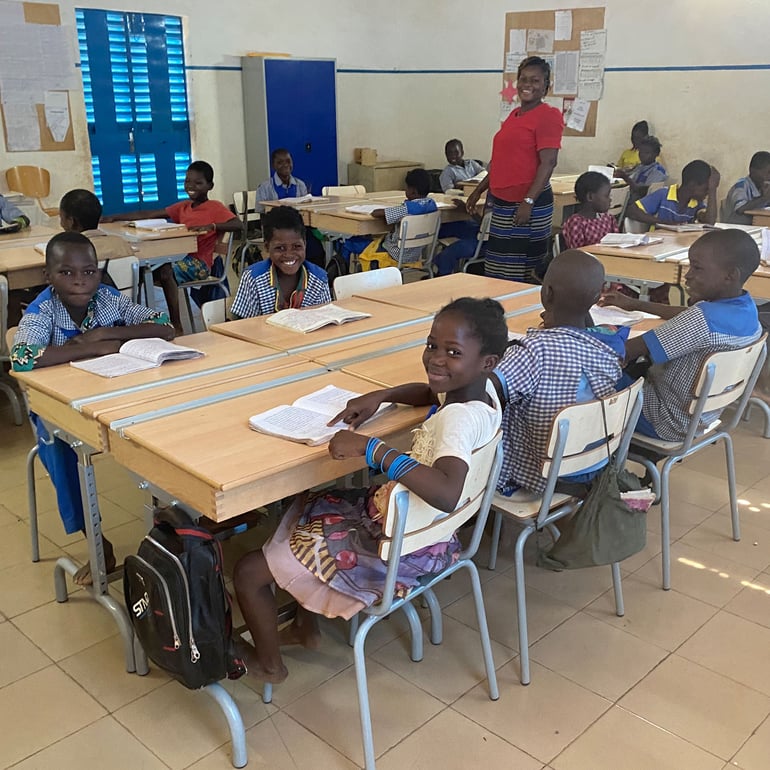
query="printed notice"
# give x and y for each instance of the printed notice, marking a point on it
(563, 25)
(57, 114)
(555, 101)
(591, 90)
(513, 59)
(578, 115)
(539, 40)
(593, 40)
(517, 41)
(21, 127)
(565, 72)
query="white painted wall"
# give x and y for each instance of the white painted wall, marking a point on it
(720, 116)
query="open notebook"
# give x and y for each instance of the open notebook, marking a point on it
(610, 315)
(311, 318)
(305, 421)
(155, 225)
(629, 240)
(136, 356)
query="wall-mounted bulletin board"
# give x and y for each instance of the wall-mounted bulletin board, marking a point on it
(574, 42)
(37, 71)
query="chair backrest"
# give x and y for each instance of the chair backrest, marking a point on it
(5, 344)
(578, 440)
(215, 311)
(725, 377)
(426, 525)
(345, 190)
(347, 285)
(419, 231)
(7, 339)
(32, 181)
(125, 273)
(632, 226)
(245, 204)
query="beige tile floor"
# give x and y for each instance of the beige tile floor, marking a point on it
(682, 681)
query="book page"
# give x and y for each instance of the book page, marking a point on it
(295, 424)
(148, 222)
(610, 315)
(364, 208)
(310, 319)
(156, 350)
(329, 401)
(113, 365)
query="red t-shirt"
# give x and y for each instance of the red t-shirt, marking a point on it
(515, 150)
(207, 213)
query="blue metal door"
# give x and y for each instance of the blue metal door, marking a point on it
(136, 107)
(302, 117)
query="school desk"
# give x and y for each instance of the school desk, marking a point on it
(760, 217)
(27, 236)
(23, 266)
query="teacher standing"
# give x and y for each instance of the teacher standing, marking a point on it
(524, 154)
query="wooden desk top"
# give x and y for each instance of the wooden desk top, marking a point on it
(213, 461)
(759, 216)
(27, 236)
(258, 330)
(20, 258)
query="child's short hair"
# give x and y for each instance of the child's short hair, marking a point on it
(451, 142)
(282, 218)
(542, 64)
(204, 169)
(652, 142)
(83, 207)
(759, 160)
(276, 152)
(736, 247)
(640, 126)
(60, 242)
(589, 182)
(486, 321)
(696, 172)
(419, 179)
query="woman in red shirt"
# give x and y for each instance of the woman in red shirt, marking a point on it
(524, 155)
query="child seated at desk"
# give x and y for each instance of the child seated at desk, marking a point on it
(11, 214)
(325, 551)
(721, 316)
(457, 169)
(284, 279)
(382, 251)
(681, 203)
(592, 221)
(76, 317)
(649, 171)
(281, 184)
(206, 217)
(751, 192)
(565, 362)
(630, 158)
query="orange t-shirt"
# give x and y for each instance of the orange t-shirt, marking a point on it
(206, 213)
(515, 150)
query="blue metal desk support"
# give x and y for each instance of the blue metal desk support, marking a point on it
(136, 661)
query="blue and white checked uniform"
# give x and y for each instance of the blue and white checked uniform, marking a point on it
(258, 291)
(541, 374)
(678, 349)
(743, 191)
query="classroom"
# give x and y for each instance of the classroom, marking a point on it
(655, 657)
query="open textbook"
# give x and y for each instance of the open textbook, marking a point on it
(629, 240)
(305, 421)
(136, 356)
(155, 225)
(609, 315)
(311, 318)
(688, 227)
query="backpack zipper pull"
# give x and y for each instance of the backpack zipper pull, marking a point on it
(194, 654)
(177, 641)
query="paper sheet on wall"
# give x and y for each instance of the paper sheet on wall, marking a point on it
(590, 89)
(21, 127)
(565, 72)
(57, 65)
(563, 25)
(593, 40)
(513, 59)
(555, 101)
(517, 40)
(506, 108)
(539, 40)
(578, 115)
(57, 114)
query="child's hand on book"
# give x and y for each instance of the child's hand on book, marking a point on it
(346, 443)
(358, 410)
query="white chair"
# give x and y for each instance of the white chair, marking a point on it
(345, 191)
(481, 239)
(224, 249)
(632, 226)
(215, 311)
(347, 285)
(245, 204)
(418, 231)
(125, 271)
(726, 377)
(5, 353)
(411, 524)
(576, 443)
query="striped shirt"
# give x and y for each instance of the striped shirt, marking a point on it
(664, 205)
(47, 322)
(678, 349)
(541, 374)
(743, 191)
(259, 293)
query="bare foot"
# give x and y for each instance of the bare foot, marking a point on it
(83, 576)
(302, 630)
(255, 668)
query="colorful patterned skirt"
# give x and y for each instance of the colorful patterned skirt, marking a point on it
(518, 253)
(325, 554)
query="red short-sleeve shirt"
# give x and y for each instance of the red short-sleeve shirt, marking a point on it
(515, 149)
(207, 213)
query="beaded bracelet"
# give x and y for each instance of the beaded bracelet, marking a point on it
(371, 447)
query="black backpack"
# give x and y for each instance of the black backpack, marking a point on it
(178, 604)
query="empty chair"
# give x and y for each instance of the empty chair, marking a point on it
(124, 271)
(345, 190)
(482, 238)
(347, 285)
(245, 204)
(33, 182)
(418, 231)
(215, 311)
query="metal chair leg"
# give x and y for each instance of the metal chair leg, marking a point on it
(665, 523)
(481, 619)
(13, 397)
(495, 544)
(415, 631)
(617, 586)
(521, 603)
(731, 486)
(436, 620)
(32, 502)
(234, 721)
(363, 691)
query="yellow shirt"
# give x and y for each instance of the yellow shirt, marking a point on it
(629, 158)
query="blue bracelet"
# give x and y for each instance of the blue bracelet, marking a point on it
(371, 447)
(382, 462)
(401, 466)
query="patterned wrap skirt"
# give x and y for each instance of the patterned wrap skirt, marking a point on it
(518, 253)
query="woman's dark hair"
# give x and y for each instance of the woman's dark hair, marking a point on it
(640, 126)
(590, 182)
(542, 64)
(203, 168)
(652, 142)
(282, 218)
(486, 320)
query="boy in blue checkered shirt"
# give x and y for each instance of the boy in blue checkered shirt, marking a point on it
(76, 317)
(283, 280)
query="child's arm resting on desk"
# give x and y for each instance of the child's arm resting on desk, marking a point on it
(360, 409)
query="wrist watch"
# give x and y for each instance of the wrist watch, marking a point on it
(529, 200)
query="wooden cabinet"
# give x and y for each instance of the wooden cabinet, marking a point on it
(384, 175)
